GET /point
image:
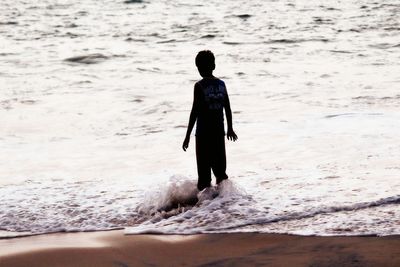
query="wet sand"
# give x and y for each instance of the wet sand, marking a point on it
(116, 249)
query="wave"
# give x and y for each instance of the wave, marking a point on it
(312, 212)
(87, 59)
(293, 41)
(208, 36)
(206, 208)
(392, 100)
(243, 16)
(175, 207)
(35, 207)
(384, 45)
(350, 114)
(228, 209)
(178, 194)
(133, 1)
(9, 23)
(278, 41)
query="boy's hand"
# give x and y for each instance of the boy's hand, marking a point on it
(231, 135)
(185, 143)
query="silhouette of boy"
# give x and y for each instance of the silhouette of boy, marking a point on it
(210, 98)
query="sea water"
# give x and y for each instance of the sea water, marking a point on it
(95, 98)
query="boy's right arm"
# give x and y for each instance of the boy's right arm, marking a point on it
(193, 117)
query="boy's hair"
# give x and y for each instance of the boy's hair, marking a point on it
(205, 60)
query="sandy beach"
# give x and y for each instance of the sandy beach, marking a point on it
(116, 249)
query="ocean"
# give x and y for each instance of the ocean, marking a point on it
(95, 98)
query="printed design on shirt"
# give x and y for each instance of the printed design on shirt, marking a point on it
(214, 96)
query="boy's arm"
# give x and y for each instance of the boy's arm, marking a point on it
(193, 117)
(230, 133)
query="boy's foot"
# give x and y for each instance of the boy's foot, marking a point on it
(219, 180)
(207, 194)
(201, 187)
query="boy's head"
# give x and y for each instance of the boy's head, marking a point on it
(205, 62)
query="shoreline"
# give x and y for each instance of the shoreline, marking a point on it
(113, 248)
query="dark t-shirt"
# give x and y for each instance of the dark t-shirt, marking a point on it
(212, 95)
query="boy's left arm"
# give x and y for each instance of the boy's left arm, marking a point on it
(231, 135)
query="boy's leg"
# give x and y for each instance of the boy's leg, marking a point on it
(218, 163)
(203, 163)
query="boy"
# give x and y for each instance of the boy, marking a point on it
(210, 98)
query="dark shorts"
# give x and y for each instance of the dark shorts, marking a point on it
(210, 155)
